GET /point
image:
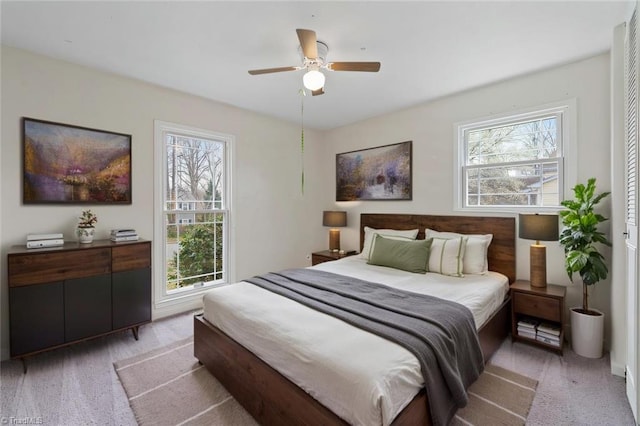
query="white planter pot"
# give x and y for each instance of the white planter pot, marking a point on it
(85, 235)
(587, 333)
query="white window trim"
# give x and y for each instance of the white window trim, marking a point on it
(569, 167)
(169, 303)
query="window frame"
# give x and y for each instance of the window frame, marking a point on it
(162, 297)
(567, 163)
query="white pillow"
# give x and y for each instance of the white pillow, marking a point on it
(370, 233)
(447, 255)
(475, 253)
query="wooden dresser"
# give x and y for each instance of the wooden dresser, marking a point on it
(62, 295)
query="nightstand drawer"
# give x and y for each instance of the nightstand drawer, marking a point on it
(315, 259)
(537, 306)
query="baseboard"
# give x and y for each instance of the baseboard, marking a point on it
(184, 305)
(617, 369)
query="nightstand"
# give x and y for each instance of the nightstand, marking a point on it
(544, 304)
(328, 256)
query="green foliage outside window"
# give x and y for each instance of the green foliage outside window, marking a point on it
(199, 256)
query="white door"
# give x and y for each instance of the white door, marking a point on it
(631, 183)
(632, 318)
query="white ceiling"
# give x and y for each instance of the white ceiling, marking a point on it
(428, 49)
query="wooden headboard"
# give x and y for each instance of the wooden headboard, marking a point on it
(502, 251)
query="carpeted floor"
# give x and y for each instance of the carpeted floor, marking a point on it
(78, 385)
(167, 386)
(572, 390)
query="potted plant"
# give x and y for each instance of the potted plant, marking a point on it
(86, 226)
(580, 238)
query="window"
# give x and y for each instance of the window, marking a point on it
(513, 162)
(194, 214)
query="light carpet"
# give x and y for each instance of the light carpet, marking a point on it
(168, 386)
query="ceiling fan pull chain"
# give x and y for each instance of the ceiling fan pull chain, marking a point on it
(302, 95)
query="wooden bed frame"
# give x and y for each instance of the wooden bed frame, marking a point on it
(272, 399)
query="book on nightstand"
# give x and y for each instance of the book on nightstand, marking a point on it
(528, 322)
(527, 327)
(548, 340)
(547, 335)
(527, 333)
(549, 328)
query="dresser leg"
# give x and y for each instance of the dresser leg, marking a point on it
(24, 365)
(134, 330)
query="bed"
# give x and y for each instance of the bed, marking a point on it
(272, 398)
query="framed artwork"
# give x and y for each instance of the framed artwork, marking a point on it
(381, 173)
(69, 164)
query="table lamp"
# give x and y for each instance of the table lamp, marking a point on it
(540, 228)
(334, 219)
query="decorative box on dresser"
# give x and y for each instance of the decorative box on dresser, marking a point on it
(62, 295)
(538, 303)
(328, 256)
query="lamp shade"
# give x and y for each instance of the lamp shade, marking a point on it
(334, 218)
(539, 227)
(313, 80)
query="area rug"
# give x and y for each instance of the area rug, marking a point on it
(498, 397)
(168, 386)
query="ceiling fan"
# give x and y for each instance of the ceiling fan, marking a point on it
(314, 54)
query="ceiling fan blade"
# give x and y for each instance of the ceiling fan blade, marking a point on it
(354, 66)
(308, 43)
(270, 70)
(320, 91)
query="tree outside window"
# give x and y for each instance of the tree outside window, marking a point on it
(513, 162)
(195, 214)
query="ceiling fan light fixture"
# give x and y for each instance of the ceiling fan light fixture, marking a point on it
(313, 80)
(313, 54)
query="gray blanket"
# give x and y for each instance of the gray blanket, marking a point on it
(440, 333)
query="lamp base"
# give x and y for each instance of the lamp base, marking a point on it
(334, 239)
(538, 264)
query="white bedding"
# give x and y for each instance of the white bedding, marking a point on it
(363, 378)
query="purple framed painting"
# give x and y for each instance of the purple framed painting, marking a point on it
(69, 164)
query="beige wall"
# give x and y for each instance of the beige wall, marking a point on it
(431, 128)
(274, 225)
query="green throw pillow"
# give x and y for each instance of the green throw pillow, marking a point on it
(412, 256)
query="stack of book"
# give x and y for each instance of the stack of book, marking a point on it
(118, 235)
(549, 334)
(44, 240)
(527, 327)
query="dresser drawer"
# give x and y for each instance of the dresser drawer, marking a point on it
(537, 306)
(27, 269)
(131, 256)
